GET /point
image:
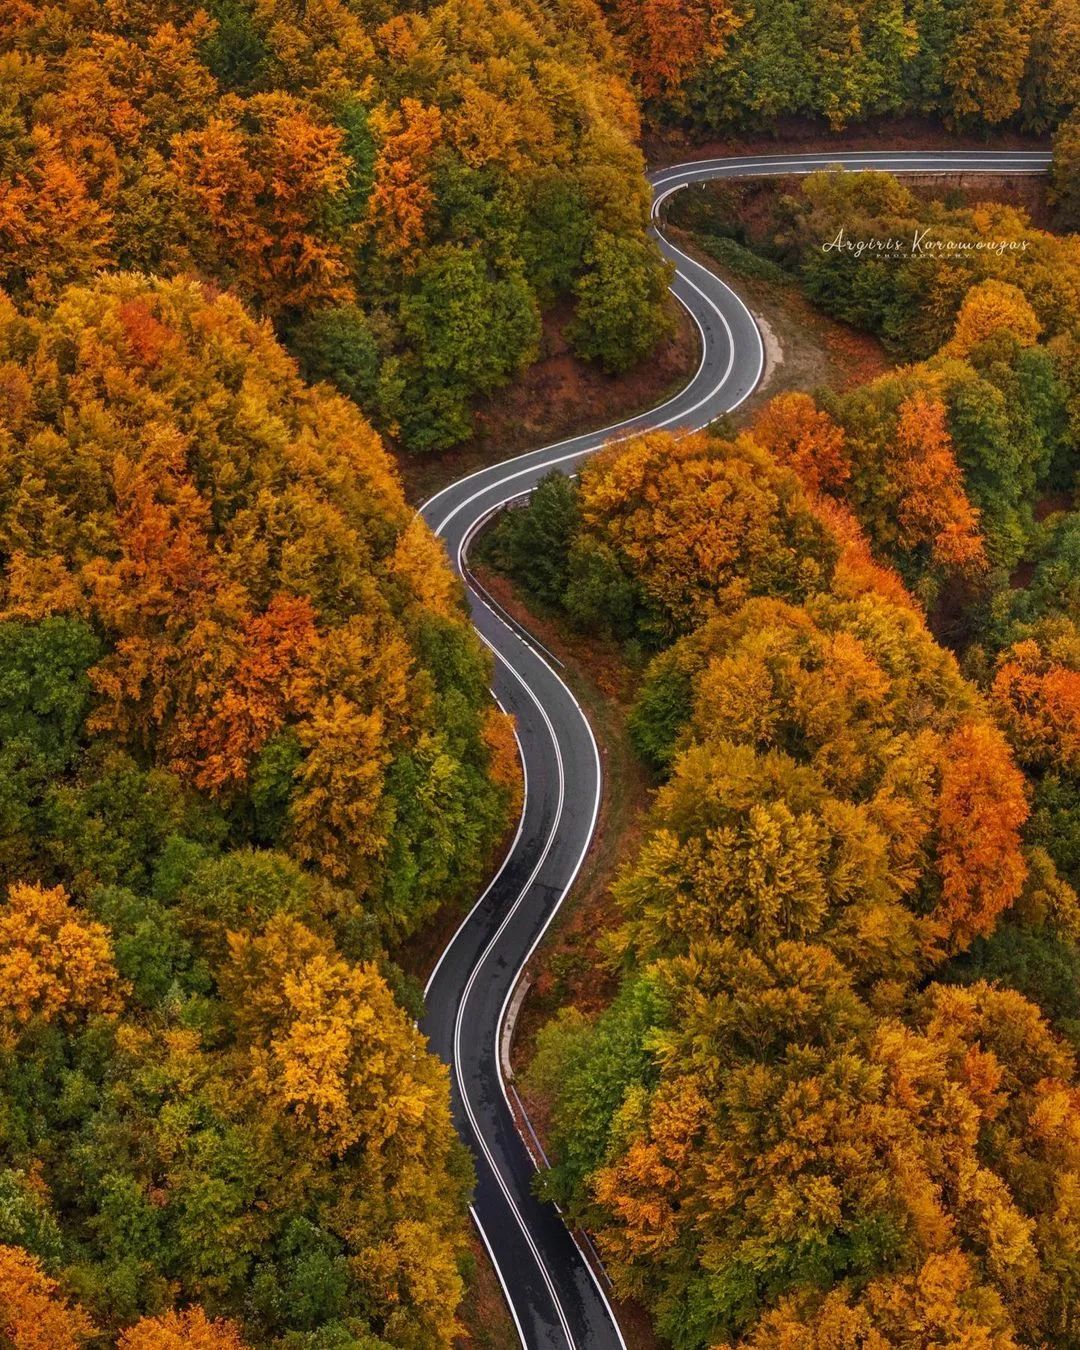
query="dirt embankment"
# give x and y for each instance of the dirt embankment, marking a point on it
(1028, 194)
(485, 1319)
(804, 349)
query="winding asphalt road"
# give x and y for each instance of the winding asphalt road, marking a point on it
(556, 1298)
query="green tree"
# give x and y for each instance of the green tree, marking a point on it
(533, 544)
(555, 231)
(594, 1069)
(338, 345)
(237, 52)
(469, 331)
(45, 695)
(621, 309)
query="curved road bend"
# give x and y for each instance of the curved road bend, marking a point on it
(554, 1296)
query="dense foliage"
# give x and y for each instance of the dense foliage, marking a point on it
(779, 1104)
(261, 614)
(961, 468)
(949, 462)
(910, 295)
(723, 63)
(662, 531)
(399, 187)
(818, 1111)
(246, 743)
(1065, 172)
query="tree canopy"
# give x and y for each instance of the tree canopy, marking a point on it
(247, 747)
(344, 170)
(723, 63)
(803, 1120)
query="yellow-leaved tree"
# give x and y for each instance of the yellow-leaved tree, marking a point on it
(55, 962)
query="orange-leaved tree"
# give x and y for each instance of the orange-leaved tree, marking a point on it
(1036, 696)
(982, 806)
(34, 1315)
(705, 523)
(802, 436)
(187, 1330)
(933, 507)
(989, 308)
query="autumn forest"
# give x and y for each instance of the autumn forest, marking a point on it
(255, 257)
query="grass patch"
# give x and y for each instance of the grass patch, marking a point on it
(740, 260)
